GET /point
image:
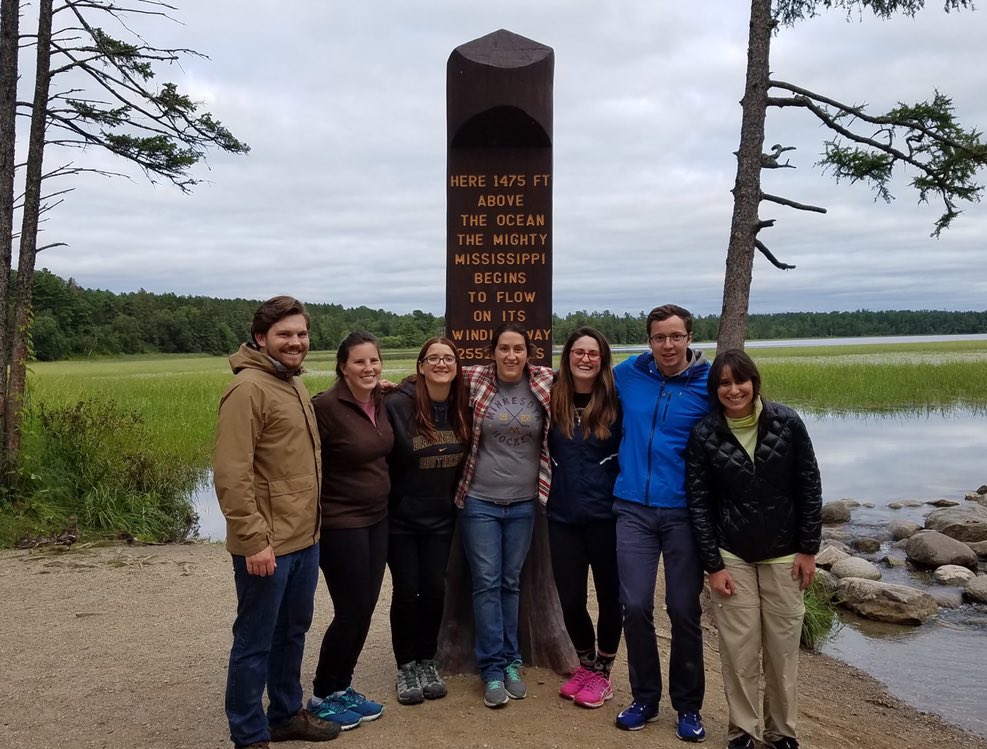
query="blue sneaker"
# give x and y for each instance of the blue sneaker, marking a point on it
(353, 700)
(691, 727)
(634, 717)
(332, 709)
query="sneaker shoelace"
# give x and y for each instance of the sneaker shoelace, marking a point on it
(495, 684)
(513, 672)
(408, 678)
(429, 673)
(581, 676)
(597, 683)
(351, 697)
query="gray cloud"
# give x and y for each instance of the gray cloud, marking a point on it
(342, 198)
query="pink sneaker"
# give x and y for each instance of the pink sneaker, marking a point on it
(576, 682)
(596, 690)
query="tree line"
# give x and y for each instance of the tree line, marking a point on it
(71, 321)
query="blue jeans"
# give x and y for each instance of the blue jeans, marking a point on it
(643, 535)
(272, 616)
(496, 540)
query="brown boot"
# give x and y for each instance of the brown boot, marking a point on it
(303, 726)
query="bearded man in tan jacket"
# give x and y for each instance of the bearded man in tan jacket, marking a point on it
(267, 472)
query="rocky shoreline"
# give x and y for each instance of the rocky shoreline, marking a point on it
(951, 545)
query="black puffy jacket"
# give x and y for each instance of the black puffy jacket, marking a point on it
(756, 510)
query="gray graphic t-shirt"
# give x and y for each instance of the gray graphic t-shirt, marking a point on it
(510, 445)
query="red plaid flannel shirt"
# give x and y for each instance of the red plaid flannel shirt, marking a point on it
(482, 382)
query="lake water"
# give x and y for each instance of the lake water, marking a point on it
(939, 666)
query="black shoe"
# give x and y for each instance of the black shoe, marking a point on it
(785, 742)
(303, 726)
(743, 741)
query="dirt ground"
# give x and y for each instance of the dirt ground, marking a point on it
(126, 648)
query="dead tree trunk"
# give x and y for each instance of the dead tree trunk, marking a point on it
(9, 31)
(541, 630)
(20, 330)
(747, 188)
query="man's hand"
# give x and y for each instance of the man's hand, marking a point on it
(722, 583)
(804, 569)
(262, 563)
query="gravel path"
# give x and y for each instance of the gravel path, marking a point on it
(126, 648)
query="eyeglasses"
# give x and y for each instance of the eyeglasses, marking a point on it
(659, 339)
(579, 353)
(434, 359)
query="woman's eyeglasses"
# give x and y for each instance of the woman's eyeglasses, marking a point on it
(579, 353)
(435, 359)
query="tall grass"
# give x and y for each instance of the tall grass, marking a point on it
(876, 378)
(171, 404)
(820, 622)
(94, 460)
(177, 395)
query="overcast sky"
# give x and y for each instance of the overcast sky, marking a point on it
(342, 198)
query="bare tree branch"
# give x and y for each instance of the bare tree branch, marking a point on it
(768, 254)
(792, 203)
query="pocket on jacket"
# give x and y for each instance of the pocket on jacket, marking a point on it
(294, 506)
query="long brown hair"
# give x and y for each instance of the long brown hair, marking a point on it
(460, 415)
(603, 407)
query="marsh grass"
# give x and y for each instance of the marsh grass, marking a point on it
(94, 460)
(820, 622)
(169, 405)
(876, 378)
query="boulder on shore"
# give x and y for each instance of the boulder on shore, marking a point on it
(867, 545)
(903, 529)
(953, 574)
(976, 590)
(855, 567)
(942, 502)
(968, 523)
(933, 549)
(836, 512)
(829, 555)
(979, 548)
(827, 581)
(885, 602)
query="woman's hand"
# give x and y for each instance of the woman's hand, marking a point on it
(804, 569)
(722, 583)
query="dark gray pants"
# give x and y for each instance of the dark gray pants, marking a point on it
(644, 535)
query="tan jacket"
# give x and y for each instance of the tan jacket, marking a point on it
(266, 464)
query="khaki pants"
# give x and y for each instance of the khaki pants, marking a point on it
(760, 623)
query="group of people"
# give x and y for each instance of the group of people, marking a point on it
(664, 457)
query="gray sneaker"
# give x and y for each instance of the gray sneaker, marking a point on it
(432, 685)
(494, 694)
(512, 681)
(408, 685)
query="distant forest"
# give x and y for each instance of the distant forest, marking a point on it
(70, 321)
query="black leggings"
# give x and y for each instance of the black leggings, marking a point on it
(575, 550)
(352, 561)
(418, 566)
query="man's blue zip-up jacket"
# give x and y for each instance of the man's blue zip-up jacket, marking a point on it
(659, 413)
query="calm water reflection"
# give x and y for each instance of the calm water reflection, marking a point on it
(940, 666)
